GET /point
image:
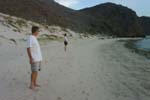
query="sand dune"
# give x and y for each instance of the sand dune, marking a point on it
(91, 69)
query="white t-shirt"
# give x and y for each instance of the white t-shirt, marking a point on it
(33, 43)
(65, 39)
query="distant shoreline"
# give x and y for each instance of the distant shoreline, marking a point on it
(130, 44)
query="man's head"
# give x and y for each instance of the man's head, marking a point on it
(35, 30)
(65, 34)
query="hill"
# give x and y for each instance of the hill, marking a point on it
(107, 18)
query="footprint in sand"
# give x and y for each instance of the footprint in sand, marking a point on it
(28, 72)
(86, 98)
(83, 92)
(87, 94)
(46, 82)
(74, 90)
(81, 82)
(14, 79)
(94, 73)
(60, 70)
(46, 61)
(59, 98)
(91, 89)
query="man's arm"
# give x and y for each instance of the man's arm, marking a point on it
(29, 54)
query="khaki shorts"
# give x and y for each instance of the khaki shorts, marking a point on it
(36, 66)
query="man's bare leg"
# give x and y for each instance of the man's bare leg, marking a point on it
(65, 48)
(32, 80)
(35, 80)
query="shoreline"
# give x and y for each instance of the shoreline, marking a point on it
(130, 44)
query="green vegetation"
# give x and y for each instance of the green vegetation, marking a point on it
(17, 24)
(45, 38)
(21, 23)
(14, 41)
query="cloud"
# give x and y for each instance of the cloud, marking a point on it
(68, 3)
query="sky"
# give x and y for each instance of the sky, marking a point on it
(142, 7)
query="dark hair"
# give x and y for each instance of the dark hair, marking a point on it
(65, 34)
(35, 29)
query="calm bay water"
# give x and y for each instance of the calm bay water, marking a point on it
(144, 44)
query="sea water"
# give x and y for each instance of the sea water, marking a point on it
(144, 44)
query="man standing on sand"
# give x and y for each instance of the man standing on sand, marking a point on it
(35, 56)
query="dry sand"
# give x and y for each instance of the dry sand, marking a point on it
(91, 69)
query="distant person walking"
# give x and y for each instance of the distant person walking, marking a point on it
(65, 42)
(35, 56)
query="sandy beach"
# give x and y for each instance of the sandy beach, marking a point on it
(91, 69)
